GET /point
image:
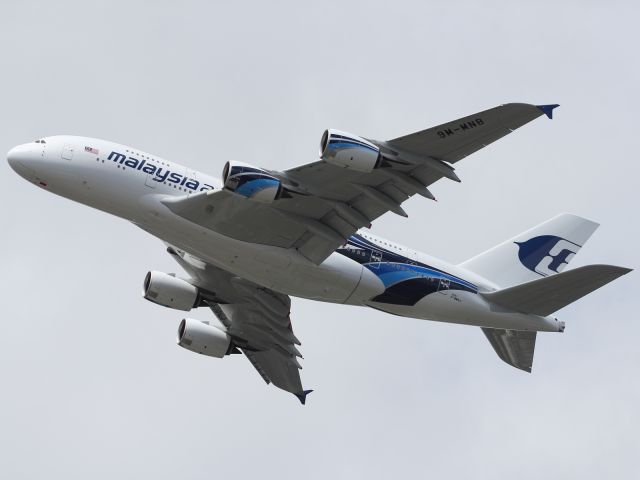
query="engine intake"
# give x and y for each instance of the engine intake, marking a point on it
(251, 182)
(203, 338)
(169, 291)
(349, 151)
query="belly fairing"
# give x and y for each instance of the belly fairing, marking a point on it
(358, 273)
(337, 280)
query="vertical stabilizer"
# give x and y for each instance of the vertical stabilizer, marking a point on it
(513, 347)
(540, 252)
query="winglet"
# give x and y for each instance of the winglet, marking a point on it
(548, 109)
(303, 395)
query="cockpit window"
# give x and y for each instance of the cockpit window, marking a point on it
(40, 141)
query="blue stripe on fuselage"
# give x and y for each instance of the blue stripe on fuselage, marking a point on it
(405, 280)
(391, 273)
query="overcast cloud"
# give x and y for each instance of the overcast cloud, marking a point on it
(93, 384)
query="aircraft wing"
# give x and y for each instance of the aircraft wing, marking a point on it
(256, 318)
(325, 204)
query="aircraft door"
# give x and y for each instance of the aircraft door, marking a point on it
(67, 152)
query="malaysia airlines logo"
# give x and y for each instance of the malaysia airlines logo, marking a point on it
(546, 254)
(158, 174)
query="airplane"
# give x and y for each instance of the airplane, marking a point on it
(257, 237)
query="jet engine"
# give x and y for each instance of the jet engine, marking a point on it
(202, 338)
(349, 151)
(251, 182)
(169, 291)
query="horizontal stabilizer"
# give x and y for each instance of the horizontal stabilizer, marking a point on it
(513, 347)
(549, 294)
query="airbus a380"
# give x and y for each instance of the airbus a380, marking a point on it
(256, 237)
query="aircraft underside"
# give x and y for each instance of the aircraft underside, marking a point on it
(257, 237)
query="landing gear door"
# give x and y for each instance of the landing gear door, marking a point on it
(376, 258)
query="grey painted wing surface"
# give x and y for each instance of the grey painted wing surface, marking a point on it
(301, 222)
(266, 339)
(306, 223)
(237, 217)
(549, 294)
(513, 347)
(326, 204)
(455, 140)
(256, 318)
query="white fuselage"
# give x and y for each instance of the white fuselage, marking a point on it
(87, 171)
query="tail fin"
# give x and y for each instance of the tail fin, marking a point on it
(513, 347)
(542, 297)
(547, 295)
(540, 252)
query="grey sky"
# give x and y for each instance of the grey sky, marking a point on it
(93, 385)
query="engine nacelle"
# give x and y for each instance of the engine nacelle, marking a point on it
(169, 291)
(349, 151)
(203, 338)
(251, 182)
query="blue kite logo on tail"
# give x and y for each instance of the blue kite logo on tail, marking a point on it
(546, 254)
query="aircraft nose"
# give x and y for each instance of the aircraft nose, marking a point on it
(19, 157)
